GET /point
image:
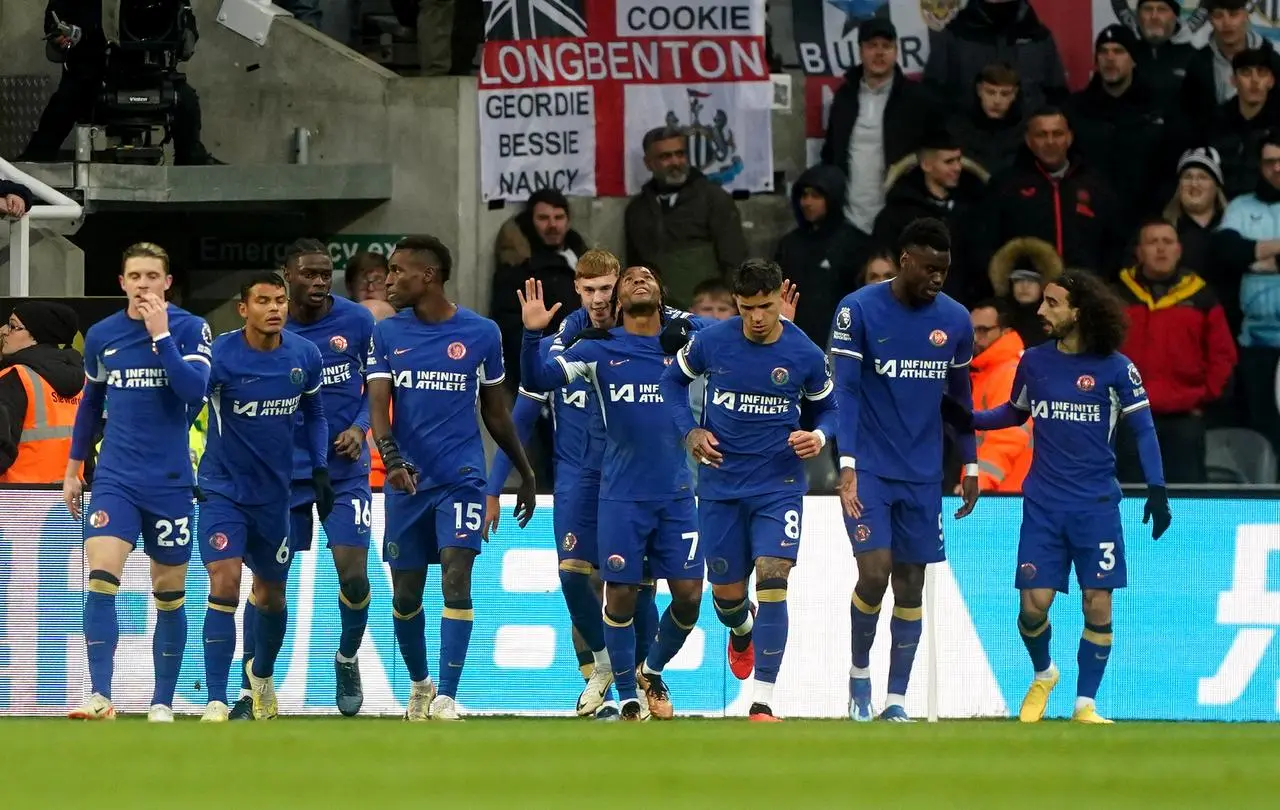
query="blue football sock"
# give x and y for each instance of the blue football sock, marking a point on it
(270, 631)
(771, 626)
(864, 618)
(248, 639)
(1095, 649)
(646, 622)
(219, 646)
(101, 629)
(456, 621)
(583, 604)
(353, 609)
(411, 636)
(168, 644)
(620, 641)
(1036, 634)
(673, 629)
(904, 634)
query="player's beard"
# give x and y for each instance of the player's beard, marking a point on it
(641, 308)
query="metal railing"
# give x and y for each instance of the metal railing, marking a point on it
(52, 208)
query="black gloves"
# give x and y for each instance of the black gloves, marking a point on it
(1157, 511)
(956, 415)
(591, 333)
(324, 492)
(675, 335)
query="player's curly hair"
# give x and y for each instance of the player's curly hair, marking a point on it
(1102, 320)
(617, 303)
(303, 247)
(925, 232)
(756, 277)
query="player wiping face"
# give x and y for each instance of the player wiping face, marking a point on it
(898, 347)
(646, 486)
(758, 369)
(148, 364)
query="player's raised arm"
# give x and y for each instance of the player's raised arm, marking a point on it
(187, 368)
(495, 410)
(536, 373)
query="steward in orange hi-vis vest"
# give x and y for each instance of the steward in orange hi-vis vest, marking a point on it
(40, 385)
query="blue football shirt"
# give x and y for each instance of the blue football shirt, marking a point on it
(253, 398)
(342, 336)
(752, 405)
(1076, 401)
(890, 415)
(644, 457)
(146, 443)
(436, 370)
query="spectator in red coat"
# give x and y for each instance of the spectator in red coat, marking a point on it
(1179, 340)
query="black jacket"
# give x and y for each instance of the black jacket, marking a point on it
(1199, 88)
(1123, 137)
(521, 255)
(1239, 142)
(822, 260)
(8, 187)
(908, 198)
(62, 369)
(1163, 68)
(975, 39)
(906, 115)
(1078, 214)
(991, 143)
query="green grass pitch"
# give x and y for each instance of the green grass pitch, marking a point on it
(706, 764)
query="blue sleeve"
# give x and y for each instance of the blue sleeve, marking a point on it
(187, 367)
(540, 375)
(689, 365)
(1136, 411)
(1012, 413)
(698, 322)
(313, 411)
(1144, 433)
(375, 364)
(847, 342)
(88, 415)
(525, 416)
(492, 371)
(93, 371)
(820, 390)
(961, 389)
(366, 339)
(569, 329)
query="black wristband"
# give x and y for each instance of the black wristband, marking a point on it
(390, 452)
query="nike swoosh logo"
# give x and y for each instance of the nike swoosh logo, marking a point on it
(248, 380)
(109, 352)
(452, 665)
(401, 351)
(881, 340)
(94, 643)
(789, 544)
(1101, 657)
(459, 535)
(905, 646)
(773, 652)
(618, 362)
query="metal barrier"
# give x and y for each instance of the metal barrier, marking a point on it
(53, 208)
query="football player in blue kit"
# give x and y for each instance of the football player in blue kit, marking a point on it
(341, 329)
(1076, 387)
(434, 359)
(262, 376)
(759, 368)
(578, 453)
(646, 489)
(148, 364)
(897, 347)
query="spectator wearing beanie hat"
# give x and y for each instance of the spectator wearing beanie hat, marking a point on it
(1195, 210)
(40, 384)
(1238, 126)
(1162, 56)
(1118, 127)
